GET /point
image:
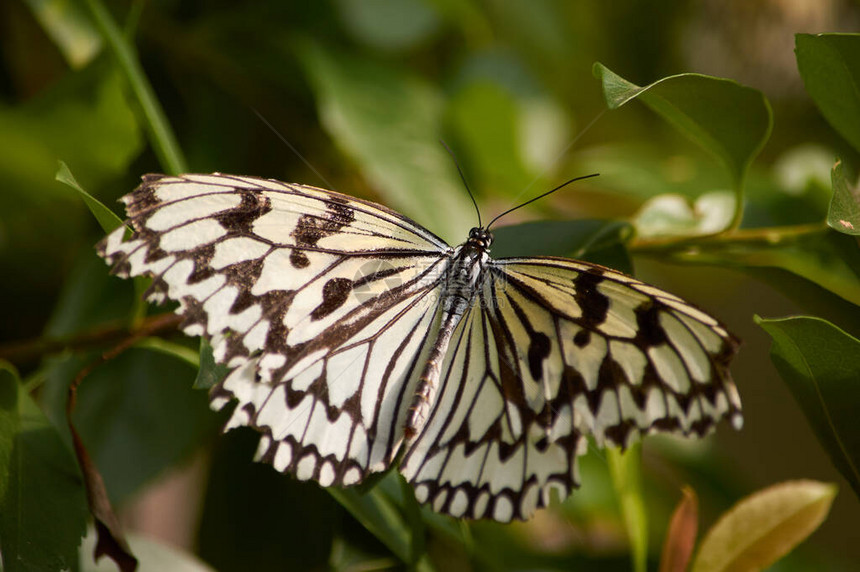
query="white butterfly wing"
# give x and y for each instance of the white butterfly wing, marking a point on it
(636, 359)
(320, 302)
(554, 350)
(483, 453)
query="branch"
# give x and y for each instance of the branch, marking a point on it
(28, 350)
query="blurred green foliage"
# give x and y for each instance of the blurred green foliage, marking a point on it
(360, 92)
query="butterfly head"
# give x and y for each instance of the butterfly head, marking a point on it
(480, 237)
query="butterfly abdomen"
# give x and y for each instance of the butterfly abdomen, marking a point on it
(462, 275)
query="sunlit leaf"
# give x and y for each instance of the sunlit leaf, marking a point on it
(674, 215)
(681, 534)
(820, 364)
(70, 28)
(161, 134)
(488, 120)
(764, 527)
(844, 213)
(151, 553)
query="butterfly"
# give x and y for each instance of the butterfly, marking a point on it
(356, 340)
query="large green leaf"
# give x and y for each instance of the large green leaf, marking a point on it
(821, 365)
(729, 120)
(137, 414)
(388, 122)
(597, 241)
(844, 212)
(43, 508)
(764, 527)
(830, 67)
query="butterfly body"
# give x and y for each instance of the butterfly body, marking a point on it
(357, 339)
(463, 276)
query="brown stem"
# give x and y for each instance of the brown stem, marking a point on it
(28, 350)
(111, 540)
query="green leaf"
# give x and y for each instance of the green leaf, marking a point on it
(137, 414)
(43, 508)
(88, 107)
(70, 28)
(598, 241)
(487, 120)
(730, 121)
(821, 365)
(624, 467)
(389, 25)
(844, 212)
(210, 372)
(811, 298)
(89, 299)
(829, 65)
(379, 516)
(765, 526)
(388, 122)
(107, 219)
(673, 215)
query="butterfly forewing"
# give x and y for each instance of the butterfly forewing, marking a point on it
(321, 303)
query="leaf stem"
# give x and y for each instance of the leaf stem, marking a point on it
(770, 235)
(161, 135)
(28, 350)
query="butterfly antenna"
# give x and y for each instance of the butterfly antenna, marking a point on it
(292, 148)
(463, 178)
(561, 186)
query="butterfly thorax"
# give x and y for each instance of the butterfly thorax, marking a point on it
(463, 275)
